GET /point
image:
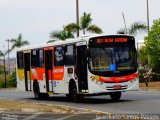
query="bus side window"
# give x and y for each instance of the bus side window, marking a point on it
(20, 60)
(59, 56)
(69, 55)
(34, 58)
(41, 58)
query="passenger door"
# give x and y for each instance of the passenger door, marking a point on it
(48, 69)
(27, 69)
(81, 67)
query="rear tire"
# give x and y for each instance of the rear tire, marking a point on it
(37, 94)
(115, 96)
(36, 91)
(44, 96)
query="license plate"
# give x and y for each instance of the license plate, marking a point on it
(117, 87)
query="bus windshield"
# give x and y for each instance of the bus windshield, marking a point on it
(112, 59)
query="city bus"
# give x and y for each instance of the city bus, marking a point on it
(84, 66)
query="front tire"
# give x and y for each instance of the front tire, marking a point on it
(68, 96)
(115, 96)
(74, 94)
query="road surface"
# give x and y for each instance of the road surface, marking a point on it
(135, 102)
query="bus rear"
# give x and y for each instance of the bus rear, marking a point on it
(112, 65)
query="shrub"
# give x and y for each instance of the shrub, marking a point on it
(147, 75)
(12, 80)
(2, 84)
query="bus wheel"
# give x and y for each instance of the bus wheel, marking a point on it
(115, 96)
(74, 95)
(68, 96)
(36, 91)
(44, 96)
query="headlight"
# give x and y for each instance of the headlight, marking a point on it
(93, 79)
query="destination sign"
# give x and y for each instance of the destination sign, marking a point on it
(112, 40)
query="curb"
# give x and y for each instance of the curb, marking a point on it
(57, 109)
(65, 110)
(30, 110)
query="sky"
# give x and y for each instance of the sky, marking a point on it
(36, 19)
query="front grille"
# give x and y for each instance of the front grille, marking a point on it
(122, 81)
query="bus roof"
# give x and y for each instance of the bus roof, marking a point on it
(57, 42)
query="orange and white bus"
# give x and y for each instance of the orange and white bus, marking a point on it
(88, 65)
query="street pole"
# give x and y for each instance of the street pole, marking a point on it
(147, 17)
(5, 79)
(148, 28)
(4, 62)
(124, 23)
(77, 16)
(8, 58)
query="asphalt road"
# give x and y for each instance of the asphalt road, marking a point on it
(136, 102)
(45, 116)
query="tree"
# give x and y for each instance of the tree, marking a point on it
(85, 25)
(1, 53)
(1, 66)
(142, 56)
(1, 69)
(152, 45)
(61, 35)
(4, 68)
(133, 29)
(68, 30)
(18, 42)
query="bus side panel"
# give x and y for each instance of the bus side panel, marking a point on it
(37, 73)
(20, 79)
(20, 74)
(58, 73)
(62, 86)
(59, 79)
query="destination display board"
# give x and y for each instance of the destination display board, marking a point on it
(111, 40)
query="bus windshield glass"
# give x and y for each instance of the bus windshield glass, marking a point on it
(112, 58)
(109, 59)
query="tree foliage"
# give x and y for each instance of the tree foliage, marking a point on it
(152, 45)
(71, 28)
(142, 56)
(18, 42)
(1, 53)
(152, 41)
(134, 28)
(12, 80)
(85, 25)
(1, 69)
(61, 35)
